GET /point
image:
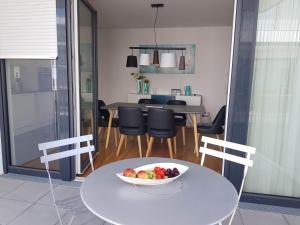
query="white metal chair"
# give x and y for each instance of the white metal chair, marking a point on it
(246, 161)
(46, 158)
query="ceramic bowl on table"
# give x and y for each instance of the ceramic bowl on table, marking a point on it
(139, 181)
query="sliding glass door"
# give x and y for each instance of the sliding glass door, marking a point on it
(35, 103)
(274, 122)
(87, 74)
(32, 110)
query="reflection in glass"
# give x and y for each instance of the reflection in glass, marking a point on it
(274, 124)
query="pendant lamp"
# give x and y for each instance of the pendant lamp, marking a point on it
(131, 60)
(168, 60)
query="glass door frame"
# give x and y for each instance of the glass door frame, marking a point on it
(239, 95)
(66, 166)
(77, 87)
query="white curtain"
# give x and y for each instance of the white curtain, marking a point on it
(274, 123)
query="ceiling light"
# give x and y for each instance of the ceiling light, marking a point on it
(131, 60)
(182, 62)
(168, 60)
(144, 59)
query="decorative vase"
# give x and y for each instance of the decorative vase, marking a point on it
(146, 88)
(139, 86)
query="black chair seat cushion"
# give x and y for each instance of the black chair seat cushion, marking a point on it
(104, 123)
(210, 130)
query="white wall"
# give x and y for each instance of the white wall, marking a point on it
(211, 64)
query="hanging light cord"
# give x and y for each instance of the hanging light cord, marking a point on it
(154, 26)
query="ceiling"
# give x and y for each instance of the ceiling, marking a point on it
(176, 13)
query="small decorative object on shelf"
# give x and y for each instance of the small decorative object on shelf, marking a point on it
(139, 82)
(146, 86)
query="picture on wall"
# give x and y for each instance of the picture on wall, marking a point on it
(189, 54)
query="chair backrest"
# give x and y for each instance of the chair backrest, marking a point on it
(161, 119)
(131, 118)
(103, 113)
(147, 101)
(219, 120)
(46, 158)
(176, 102)
(245, 161)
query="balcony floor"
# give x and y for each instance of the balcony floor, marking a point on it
(26, 200)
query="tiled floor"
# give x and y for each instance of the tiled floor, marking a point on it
(27, 201)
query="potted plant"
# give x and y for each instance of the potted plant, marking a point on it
(139, 81)
(146, 88)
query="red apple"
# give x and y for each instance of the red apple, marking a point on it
(142, 174)
(129, 172)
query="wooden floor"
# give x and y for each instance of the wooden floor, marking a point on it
(106, 156)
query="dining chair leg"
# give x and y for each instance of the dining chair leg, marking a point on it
(126, 141)
(147, 137)
(120, 144)
(195, 146)
(220, 147)
(109, 127)
(175, 145)
(170, 147)
(116, 137)
(140, 145)
(183, 135)
(149, 146)
(99, 131)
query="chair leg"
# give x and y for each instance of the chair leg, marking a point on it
(150, 146)
(231, 218)
(120, 144)
(220, 147)
(140, 145)
(116, 137)
(175, 145)
(126, 141)
(53, 197)
(170, 147)
(183, 135)
(161, 140)
(200, 143)
(147, 137)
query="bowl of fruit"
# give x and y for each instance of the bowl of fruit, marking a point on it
(153, 174)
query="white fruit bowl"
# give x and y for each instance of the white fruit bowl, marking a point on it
(138, 181)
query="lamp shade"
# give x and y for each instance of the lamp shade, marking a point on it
(131, 61)
(182, 63)
(155, 58)
(168, 60)
(144, 59)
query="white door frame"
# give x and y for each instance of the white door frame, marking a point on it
(229, 75)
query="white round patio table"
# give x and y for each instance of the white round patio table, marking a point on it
(199, 197)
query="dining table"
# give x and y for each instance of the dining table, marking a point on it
(200, 196)
(191, 110)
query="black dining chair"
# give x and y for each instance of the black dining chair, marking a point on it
(161, 124)
(131, 123)
(147, 101)
(180, 118)
(216, 128)
(104, 118)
